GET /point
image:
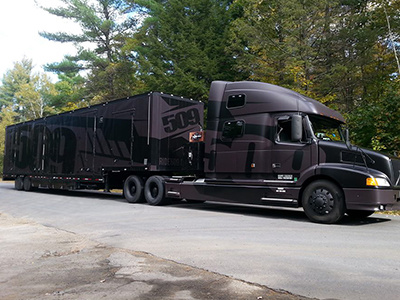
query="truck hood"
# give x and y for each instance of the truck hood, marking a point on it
(334, 152)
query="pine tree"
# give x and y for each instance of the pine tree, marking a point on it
(105, 25)
(180, 47)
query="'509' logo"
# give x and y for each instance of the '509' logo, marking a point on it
(181, 120)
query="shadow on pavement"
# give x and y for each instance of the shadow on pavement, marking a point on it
(231, 208)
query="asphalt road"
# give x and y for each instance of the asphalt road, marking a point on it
(277, 248)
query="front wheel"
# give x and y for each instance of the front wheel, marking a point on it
(154, 191)
(323, 202)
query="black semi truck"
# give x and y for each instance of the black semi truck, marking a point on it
(264, 145)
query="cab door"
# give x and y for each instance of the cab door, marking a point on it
(291, 158)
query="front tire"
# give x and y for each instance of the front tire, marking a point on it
(133, 189)
(323, 202)
(154, 191)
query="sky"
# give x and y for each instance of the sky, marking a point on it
(20, 24)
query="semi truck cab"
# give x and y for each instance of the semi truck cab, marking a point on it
(272, 146)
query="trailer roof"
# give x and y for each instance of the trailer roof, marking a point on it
(93, 107)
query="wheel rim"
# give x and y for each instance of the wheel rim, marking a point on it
(154, 191)
(132, 189)
(321, 201)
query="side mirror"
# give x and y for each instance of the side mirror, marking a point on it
(347, 138)
(297, 128)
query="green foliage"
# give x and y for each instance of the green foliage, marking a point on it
(104, 27)
(376, 123)
(27, 93)
(278, 41)
(338, 52)
(7, 117)
(69, 92)
(13, 80)
(180, 47)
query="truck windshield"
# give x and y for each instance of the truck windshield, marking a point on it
(327, 129)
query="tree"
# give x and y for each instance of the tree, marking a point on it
(29, 94)
(7, 117)
(71, 87)
(105, 26)
(180, 47)
(341, 52)
(375, 124)
(278, 41)
(13, 80)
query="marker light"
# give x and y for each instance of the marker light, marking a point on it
(371, 181)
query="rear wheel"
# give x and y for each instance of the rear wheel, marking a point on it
(323, 202)
(27, 184)
(133, 189)
(154, 191)
(19, 183)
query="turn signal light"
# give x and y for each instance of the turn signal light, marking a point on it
(371, 181)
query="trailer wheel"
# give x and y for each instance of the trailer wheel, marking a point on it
(133, 189)
(323, 202)
(19, 183)
(154, 191)
(27, 184)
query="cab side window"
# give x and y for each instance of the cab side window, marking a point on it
(236, 101)
(284, 131)
(233, 129)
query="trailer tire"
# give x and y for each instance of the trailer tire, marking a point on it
(19, 183)
(27, 184)
(323, 202)
(154, 191)
(133, 189)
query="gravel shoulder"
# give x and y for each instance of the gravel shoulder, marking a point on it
(40, 262)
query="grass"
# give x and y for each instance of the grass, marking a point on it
(392, 213)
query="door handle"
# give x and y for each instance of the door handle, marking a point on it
(276, 166)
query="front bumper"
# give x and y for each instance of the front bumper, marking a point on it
(372, 199)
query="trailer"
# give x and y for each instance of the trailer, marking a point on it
(100, 147)
(264, 145)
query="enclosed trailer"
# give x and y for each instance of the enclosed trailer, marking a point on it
(99, 146)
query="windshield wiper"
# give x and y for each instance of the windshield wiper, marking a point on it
(364, 157)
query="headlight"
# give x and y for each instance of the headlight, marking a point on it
(372, 181)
